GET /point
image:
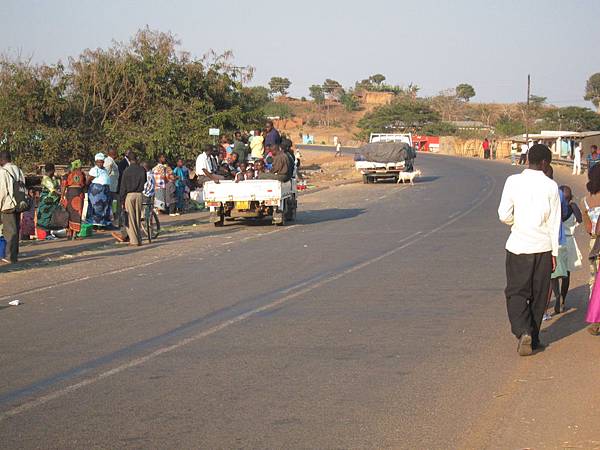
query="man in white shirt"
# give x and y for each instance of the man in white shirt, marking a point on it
(531, 206)
(9, 174)
(206, 169)
(577, 159)
(524, 150)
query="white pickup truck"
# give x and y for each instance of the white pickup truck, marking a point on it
(251, 199)
(372, 171)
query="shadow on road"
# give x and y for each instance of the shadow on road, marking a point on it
(572, 320)
(327, 215)
(105, 248)
(426, 179)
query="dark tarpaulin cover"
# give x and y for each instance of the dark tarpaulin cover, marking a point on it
(385, 152)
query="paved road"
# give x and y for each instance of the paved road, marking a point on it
(376, 321)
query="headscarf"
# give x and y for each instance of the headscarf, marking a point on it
(99, 157)
(76, 164)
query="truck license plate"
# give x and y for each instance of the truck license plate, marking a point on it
(242, 205)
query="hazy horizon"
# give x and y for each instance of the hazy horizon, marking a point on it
(434, 44)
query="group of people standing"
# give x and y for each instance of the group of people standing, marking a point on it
(116, 190)
(541, 251)
(490, 149)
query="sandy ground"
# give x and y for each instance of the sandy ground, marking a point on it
(324, 169)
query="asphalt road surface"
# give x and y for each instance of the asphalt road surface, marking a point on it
(377, 320)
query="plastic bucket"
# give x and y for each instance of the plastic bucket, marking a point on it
(86, 230)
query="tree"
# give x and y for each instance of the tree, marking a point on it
(537, 100)
(144, 93)
(377, 78)
(317, 94)
(592, 90)
(447, 104)
(465, 91)
(572, 118)
(332, 88)
(279, 85)
(350, 101)
(506, 126)
(401, 114)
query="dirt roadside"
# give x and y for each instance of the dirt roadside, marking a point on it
(553, 400)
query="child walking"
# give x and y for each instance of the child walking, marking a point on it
(569, 257)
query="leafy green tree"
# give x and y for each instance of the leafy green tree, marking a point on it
(279, 85)
(317, 93)
(377, 78)
(332, 88)
(465, 91)
(506, 126)
(145, 94)
(592, 89)
(572, 118)
(401, 114)
(440, 129)
(276, 109)
(537, 100)
(350, 101)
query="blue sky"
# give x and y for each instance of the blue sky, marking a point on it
(492, 45)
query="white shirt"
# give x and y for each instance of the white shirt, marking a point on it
(113, 172)
(577, 153)
(100, 176)
(9, 173)
(531, 205)
(202, 162)
(524, 149)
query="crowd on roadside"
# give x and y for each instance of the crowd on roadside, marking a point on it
(111, 195)
(542, 251)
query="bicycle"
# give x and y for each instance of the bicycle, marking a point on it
(151, 224)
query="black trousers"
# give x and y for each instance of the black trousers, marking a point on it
(527, 291)
(486, 154)
(523, 159)
(10, 228)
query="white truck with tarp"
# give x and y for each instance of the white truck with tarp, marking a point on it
(251, 199)
(385, 156)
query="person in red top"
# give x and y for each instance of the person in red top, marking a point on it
(486, 148)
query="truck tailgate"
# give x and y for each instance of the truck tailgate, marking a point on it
(249, 190)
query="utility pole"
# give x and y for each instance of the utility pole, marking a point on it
(527, 110)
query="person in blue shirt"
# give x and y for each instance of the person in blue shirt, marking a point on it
(593, 158)
(181, 182)
(272, 136)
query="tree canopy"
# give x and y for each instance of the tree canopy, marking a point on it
(400, 115)
(465, 91)
(317, 93)
(377, 78)
(572, 118)
(592, 89)
(279, 85)
(332, 88)
(145, 93)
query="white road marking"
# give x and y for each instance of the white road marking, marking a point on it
(413, 239)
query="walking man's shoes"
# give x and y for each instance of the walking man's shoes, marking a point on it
(524, 346)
